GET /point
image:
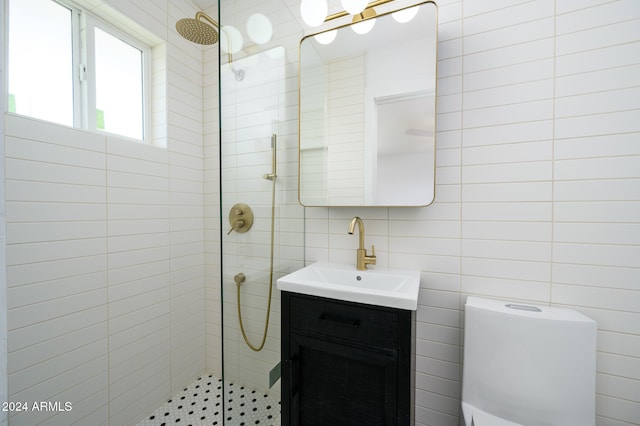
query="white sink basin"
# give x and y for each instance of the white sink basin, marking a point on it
(394, 288)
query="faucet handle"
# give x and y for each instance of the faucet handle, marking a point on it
(373, 251)
(237, 226)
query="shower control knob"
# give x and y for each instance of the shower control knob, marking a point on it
(240, 218)
(237, 226)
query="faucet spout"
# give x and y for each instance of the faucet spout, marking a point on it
(352, 228)
(363, 259)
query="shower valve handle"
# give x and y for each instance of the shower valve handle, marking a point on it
(240, 218)
(236, 226)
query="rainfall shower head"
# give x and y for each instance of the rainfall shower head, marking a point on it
(196, 31)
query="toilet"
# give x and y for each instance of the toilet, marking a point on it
(527, 365)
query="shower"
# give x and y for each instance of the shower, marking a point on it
(247, 140)
(196, 31)
(272, 177)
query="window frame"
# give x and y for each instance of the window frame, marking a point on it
(83, 24)
(72, 49)
(89, 23)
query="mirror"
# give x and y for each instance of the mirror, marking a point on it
(367, 113)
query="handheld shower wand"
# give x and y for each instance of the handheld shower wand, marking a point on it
(274, 149)
(240, 279)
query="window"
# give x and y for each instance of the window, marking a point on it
(41, 60)
(118, 86)
(69, 67)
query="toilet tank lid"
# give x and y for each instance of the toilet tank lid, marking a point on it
(526, 309)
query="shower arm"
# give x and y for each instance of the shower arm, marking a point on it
(201, 15)
(207, 18)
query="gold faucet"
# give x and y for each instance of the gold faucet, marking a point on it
(362, 259)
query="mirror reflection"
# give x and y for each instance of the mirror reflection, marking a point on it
(367, 112)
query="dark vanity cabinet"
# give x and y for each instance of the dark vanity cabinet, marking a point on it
(345, 363)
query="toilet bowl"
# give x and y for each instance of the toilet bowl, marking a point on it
(480, 418)
(527, 365)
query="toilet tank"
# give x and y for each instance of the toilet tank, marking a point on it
(530, 365)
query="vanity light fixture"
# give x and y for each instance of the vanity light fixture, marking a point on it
(259, 28)
(363, 22)
(326, 37)
(314, 12)
(353, 6)
(231, 40)
(405, 15)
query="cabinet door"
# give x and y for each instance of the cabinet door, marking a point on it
(336, 384)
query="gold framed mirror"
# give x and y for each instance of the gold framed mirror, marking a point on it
(367, 112)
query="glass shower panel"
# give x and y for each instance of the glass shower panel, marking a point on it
(247, 132)
(258, 130)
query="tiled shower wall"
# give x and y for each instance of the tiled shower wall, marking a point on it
(211, 187)
(254, 108)
(3, 237)
(537, 188)
(105, 249)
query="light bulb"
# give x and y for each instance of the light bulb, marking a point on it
(313, 12)
(326, 37)
(259, 28)
(231, 40)
(363, 27)
(354, 6)
(405, 15)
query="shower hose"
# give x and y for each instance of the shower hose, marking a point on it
(272, 178)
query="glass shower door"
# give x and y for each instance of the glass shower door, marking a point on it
(259, 170)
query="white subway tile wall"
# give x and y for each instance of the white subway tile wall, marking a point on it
(537, 188)
(253, 109)
(4, 415)
(345, 136)
(105, 250)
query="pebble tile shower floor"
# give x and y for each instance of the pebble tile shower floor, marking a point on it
(200, 404)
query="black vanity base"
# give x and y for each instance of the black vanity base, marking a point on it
(346, 363)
